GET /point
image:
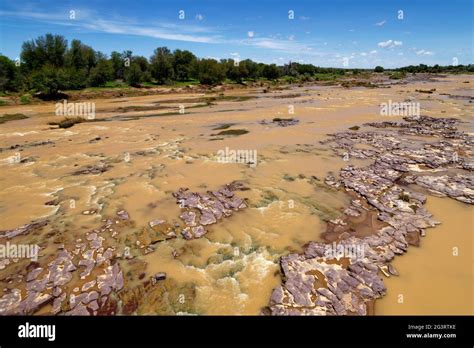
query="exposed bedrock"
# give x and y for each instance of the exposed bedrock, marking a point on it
(345, 277)
(200, 209)
(84, 276)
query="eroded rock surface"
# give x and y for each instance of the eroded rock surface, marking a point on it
(90, 260)
(345, 277)
(84, 276)
(281, 122)
(200, 209)
(25, 229)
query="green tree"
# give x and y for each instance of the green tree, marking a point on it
(162, 65)
(379, 69)
(45, 50)
(237, 72)
(79, 60)
(182, 64)
(80, 56)
(144, 67)
(290, 69)
(49, 80)
(209, 71)
(142, 63)
(101, 73)
(76, 78)
(305, 69)
(117, 65)
(251, 67)
(134, 74)
(271, 72)
(8, 75)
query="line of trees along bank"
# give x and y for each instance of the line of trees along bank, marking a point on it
(48, 64)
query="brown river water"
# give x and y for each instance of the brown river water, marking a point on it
(234, 267)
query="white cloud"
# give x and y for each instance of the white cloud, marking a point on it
(281, 45)
(363, 54)
(199, 17)
(304, 18)
(90, 21)
(381, 23)
(389, 44)
(291, 37)
(424, 53)
(373, 52)
(158, 33)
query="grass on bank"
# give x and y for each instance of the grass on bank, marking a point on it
(12, 117)
(233, 132)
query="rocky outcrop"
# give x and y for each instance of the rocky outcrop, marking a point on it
(200, 210)
(281, 122)
(85, 277)
(344, 277)
(25, 229)
(92, 262)
(458, 186)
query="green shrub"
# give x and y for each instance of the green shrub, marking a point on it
(209, 72)
(49, 80)
(25, 99)
(100, 74)
(11, 117)
(134, 75)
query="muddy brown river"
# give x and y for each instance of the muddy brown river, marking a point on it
(144, 157)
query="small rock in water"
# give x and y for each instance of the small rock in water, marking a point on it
(88, 212)
(123, 215)
(207, 208)
(157, 277)
(156, 222)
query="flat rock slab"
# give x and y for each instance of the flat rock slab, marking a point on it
(203, 209)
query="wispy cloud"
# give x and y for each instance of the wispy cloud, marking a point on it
(389, 44)
(381, 23)
(110, 27)
(87, 20)
(265, 46)
(424, 53)
(274, 44)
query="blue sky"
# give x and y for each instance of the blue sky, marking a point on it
(334, 33)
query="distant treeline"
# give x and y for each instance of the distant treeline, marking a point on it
(48, 65)
(422, 68)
